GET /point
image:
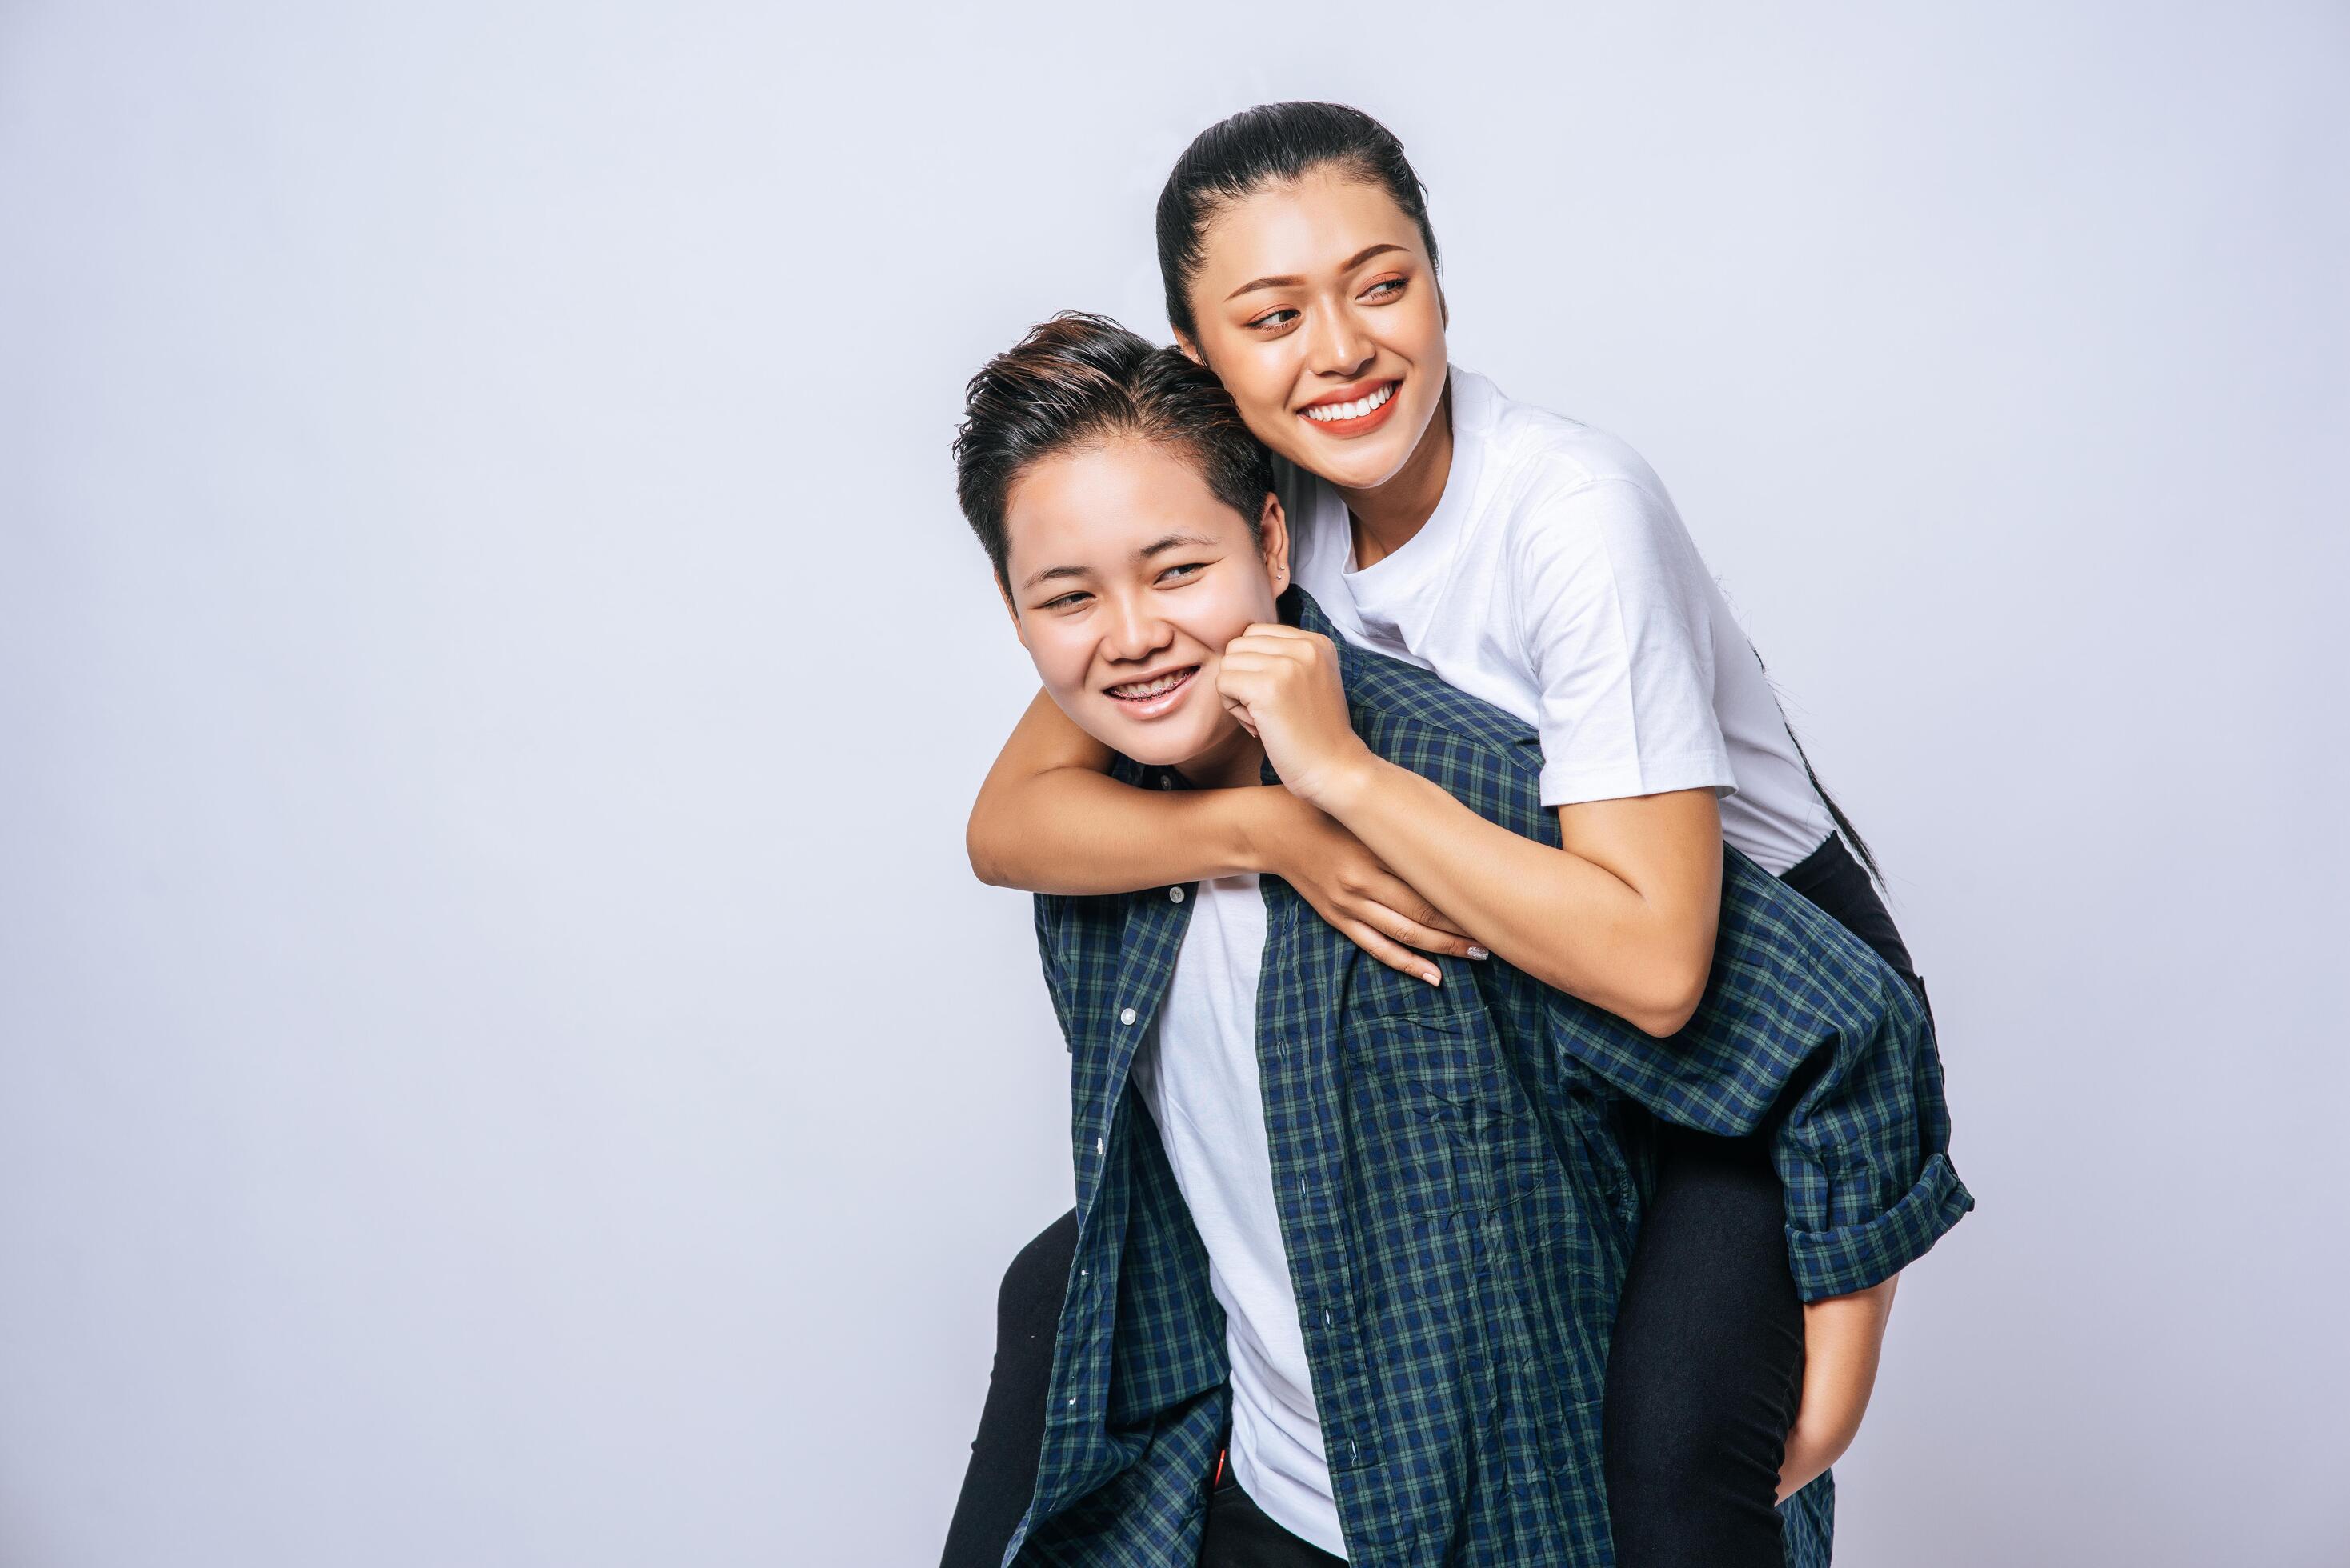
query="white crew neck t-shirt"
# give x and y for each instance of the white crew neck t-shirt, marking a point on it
(1197, 1073)
(1557, 581)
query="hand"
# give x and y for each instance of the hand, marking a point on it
(1353, 891)
(1842, 1337)
(1282, 684)
(1810, 1450)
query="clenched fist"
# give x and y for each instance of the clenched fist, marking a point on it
(1283, 686)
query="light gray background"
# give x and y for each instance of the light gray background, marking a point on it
(502, 1060)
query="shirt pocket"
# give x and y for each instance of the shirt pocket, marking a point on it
(1407, 1031)
(1437, 1120)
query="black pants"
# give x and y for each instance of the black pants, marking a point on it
(1704, 1370)
(1240, 1534)
(1706, 1366)
(1004, 1456)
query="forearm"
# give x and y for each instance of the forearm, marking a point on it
(1050, 819)
(1073, 830)
(1567, 921)
(1842, 1337)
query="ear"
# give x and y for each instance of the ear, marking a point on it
(1273, 538)
(1190, 348)
(1443, 309)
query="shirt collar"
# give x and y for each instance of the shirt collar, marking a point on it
(1297, 608)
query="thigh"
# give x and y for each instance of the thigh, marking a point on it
(1705, 1368)
(1835, 882)
(1002, 1475)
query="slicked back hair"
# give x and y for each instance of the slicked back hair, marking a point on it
(1078, 380)
(1271, 145)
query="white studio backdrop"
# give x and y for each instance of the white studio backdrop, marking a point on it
(502, 1059)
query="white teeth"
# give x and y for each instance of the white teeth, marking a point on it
(1140, 689)
(1328, 414)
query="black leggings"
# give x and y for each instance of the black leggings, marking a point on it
(1004, 1456)
(1704, 1370)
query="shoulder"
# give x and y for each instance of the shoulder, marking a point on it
(1592, 492)
(1587, 514)
(1534, 450)
(1554, 478)
(1410, 717)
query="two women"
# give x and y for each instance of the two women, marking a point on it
(1536, 563)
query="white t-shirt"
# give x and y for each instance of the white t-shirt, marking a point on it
(1556, 582)
(1196, 1072)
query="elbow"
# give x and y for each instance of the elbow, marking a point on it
(1671, 999)
(987, 862)
(1657, 994)
(1665, 1022)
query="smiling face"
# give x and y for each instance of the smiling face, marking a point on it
(1126, 578)
(1316, 306)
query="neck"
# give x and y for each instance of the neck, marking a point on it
(1231, 763)
(1386, 518)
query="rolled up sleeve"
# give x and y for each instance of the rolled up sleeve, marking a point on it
(1864, 1152)
(1847, 1258)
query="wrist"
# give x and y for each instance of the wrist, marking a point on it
(1339, 788)
(1259, 816)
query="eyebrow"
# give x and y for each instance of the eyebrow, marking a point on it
(1155, 547)
(1172, 542)
(1352, 262)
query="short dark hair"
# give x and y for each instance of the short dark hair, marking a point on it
(1078, 380)
(1273, 143)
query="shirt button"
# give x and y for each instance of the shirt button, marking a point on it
(1100, 1147)
(1175, 895)
(1127, 1017)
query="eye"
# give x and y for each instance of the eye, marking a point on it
(1066, 601)
(1175, 576)
(1273, 320)
(1381, 292)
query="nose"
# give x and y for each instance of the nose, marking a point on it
(1342, 350)
(1133, 631)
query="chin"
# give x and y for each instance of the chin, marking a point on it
(1152, 745)
(1369, 468)
(1153, 754)
(1160, 746)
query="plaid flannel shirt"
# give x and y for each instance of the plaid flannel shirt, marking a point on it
(1460, 1171)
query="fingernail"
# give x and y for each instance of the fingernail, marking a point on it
(1477, 952)
(1433, 978)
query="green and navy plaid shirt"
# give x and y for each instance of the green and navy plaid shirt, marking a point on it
(1460, 1171)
